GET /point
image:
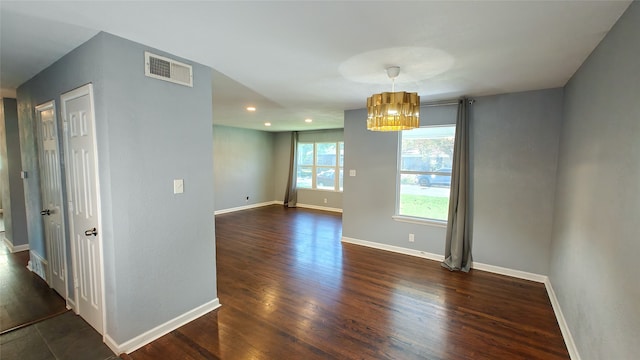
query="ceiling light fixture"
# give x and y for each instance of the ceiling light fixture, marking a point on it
(267, 124)
(251, 108)
(393, 111)
(308, 121)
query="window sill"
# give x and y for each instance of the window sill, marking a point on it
(420, 221)
(326, 190)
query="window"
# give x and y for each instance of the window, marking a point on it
(424, 173)
(318, 165)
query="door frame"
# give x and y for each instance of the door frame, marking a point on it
(51, 105)
(64, 98)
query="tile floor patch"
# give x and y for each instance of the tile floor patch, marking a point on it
(66, 336)
(24, 344)
(62, 324)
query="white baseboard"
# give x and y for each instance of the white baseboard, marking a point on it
(509, 272)
(564, 327)
(38, 265)
(246, 207)
(395, 249)
(160, 330)
(431, 256)
(17, 248)
(275, 202)
(315, 207)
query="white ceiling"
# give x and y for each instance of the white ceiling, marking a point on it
(314, 59)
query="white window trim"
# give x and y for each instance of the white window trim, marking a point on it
(314, 167)
(413, 219)
(420, 221)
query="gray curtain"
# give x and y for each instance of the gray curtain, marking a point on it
(291, 195)
(457, 255)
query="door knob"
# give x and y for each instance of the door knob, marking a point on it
(45, 212)
(90, 232)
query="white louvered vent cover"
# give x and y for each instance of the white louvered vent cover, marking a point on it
(160, 67)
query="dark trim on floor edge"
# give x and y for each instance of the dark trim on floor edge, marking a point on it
(32, 322)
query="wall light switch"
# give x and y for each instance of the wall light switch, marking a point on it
(352, 172)
(178, 186)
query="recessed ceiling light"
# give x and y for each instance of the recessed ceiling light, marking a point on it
(251, 108)
(267, 124)
(308, 120)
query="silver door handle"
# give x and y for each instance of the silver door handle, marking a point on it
(90, 232)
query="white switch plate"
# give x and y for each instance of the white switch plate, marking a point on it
(178, 186)
(352, 172)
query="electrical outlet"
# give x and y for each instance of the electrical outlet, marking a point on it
(178, 186)
(411, 238)
(325, 200)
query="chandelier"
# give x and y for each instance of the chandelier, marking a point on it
(393, 111)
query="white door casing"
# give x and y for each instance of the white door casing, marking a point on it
(51, 188)
(84, 203)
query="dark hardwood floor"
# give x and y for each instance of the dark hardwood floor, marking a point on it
(290, 289)
(24, 297)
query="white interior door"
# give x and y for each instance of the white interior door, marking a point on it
(50, 183)
(83, 197)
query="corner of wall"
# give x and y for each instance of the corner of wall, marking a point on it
(562, 323)
(147, 337)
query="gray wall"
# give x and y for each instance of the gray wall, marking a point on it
(243, 167)
(369, 197)
(316, 198)
(596, 242)
(159, 247)
(514, 152)
(513, 155)
(256, 164)
(14, 215)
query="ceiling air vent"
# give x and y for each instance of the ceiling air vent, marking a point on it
(160, 67)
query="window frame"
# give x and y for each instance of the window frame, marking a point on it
(315, 168)
(399, 172)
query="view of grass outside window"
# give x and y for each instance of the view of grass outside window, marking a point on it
(426, 157)
(318, 165)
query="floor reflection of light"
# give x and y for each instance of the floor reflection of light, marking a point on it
(269, 300)
(317, 250)
(317, 261)
(412, 305)
(309, 315)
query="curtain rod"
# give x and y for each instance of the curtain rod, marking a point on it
(445, 102)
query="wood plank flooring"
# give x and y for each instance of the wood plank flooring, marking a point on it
(290, 289)
(24, 297)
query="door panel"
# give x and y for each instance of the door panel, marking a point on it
(50, 183)
(83, 203)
